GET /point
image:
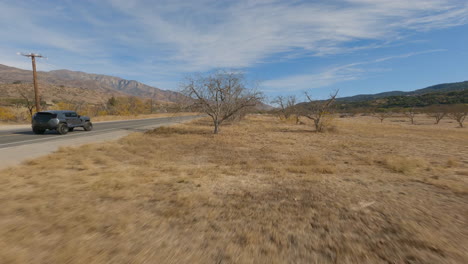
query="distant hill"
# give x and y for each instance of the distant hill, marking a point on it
(447, 93)
(102, 84)
(10, 93)
(441, 88)
(404, 101)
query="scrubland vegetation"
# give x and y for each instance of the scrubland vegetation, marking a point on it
(116, 108)
(264, 190)
(457, 113)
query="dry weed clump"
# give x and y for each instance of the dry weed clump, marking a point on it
(261, 191)
(402, 164)
(164, 130)
(453, 162)
(309, 163)
(330, 124)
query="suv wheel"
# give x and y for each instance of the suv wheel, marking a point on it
(62, 128)
(38, 130)
(88, 126)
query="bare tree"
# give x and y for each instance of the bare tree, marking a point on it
(410, 113)
(437, 112)
(287, 106)
(319, 111)
(28, 99)
(220, 95)
(381, 114)
(75, 103)
(458, 113)
(241, 114)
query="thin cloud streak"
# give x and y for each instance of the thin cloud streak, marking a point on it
(171, 38)
(348, 72)
(246, 33)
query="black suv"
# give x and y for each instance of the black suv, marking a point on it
(62, 121)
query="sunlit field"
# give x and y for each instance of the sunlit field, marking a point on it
(261, 191)
(7, 124)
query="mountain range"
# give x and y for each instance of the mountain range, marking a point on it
(102, 84)
(439, 88)
(69, 85)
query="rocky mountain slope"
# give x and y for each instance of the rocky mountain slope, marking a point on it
(100, 83)
(10, 93)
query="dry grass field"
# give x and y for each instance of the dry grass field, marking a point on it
(262, 191)
(141, 116)
(104, 118)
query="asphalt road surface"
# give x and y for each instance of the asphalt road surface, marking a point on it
(19, 137)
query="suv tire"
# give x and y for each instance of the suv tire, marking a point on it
(62, 128)
(38, 130)
(88, 126)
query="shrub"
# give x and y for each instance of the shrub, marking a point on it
(401, 164)
(6, 114)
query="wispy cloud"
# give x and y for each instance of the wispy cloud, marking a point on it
(244, 33)
(168, 38)
(23, 25)
(337, 74)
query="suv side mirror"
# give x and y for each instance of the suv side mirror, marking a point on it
(79, 116)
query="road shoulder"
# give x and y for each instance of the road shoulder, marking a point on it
(12, 156)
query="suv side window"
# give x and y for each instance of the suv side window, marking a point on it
(68, 114)
(73, 114)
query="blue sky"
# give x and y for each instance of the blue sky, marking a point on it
(357, 46)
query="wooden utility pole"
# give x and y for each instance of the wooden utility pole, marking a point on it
(151, 105)
(152, 101)
(33, 57)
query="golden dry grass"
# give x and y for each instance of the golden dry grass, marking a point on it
(262, 191)
(100, 118)
(142, 116)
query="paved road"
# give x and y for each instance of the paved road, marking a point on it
(18, 137)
